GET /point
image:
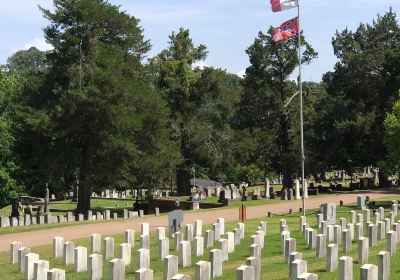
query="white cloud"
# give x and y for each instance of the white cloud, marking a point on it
(39, 43)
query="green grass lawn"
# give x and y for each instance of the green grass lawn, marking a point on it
(273, 266)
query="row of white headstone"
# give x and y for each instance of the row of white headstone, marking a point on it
(28, 219)
(77, 256)
(344, 234)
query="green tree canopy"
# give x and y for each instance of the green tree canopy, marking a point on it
(25, 61)
(94, 116)
(360, 91)
(10, 85)
(268, 108)
(201, 102)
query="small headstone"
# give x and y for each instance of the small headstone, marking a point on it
(198, 246)
(22, 252)
(360, 218)
(125, 253)
(30, 259)
(56, 274)
(160, 232)
(198, 226)
(58, 246)
(80, 260)
(284, 235)
(221, 222)
(255, 262)
(108, 248)
(217, 231)
(295, 256)
(189, 232)
(145, 241)
(69, 251)
(383, 265)
(216, 263)
(353, 217)
(346, 268)
(163, 247)
(89, 215)
(347, 246)
(332, 257)
(202, 271)
(185, 254)
(95, 243)
(381, 230)
(312, 238)
(40, 269)
(4, 222)
(230, 236)
(369, 272)
(170, 267)
(361, 202)
(255, 251)
(363, 250)
(142, 259)
(241, 227)
(14, 246)
(210, 238)
(116, 270)
(290, 246)
(321, 246)
(223, 246)
(391, 242)
(359, 231)
(372, 235)
(245, 272)
(130, 237)
(95, 267)
(178, 239)
(297, 268)
(330, 213)
(145, 229)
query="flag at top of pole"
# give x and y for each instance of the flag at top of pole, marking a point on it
(280, 5)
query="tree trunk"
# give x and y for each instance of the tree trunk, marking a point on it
(85, 189)
(84, 194)
(183, 177)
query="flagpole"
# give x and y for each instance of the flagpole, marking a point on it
(301, 115)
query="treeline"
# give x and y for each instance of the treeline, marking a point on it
(96, 112)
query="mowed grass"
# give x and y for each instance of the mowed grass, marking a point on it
(273, 266)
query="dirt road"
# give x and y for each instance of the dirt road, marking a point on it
(43, 237)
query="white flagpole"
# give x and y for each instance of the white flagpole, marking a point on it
(301, 114)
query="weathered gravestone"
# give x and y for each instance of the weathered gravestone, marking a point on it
(175, 219)
(330, 213)
(361, 202)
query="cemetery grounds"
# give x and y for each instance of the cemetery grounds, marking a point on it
(273, 265)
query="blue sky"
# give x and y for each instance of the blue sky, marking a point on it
(226, 27)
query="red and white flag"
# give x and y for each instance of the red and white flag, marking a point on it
(287, 29)
(280, 5)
